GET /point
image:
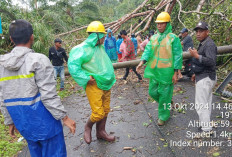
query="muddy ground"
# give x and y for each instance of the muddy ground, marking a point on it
(133, 120)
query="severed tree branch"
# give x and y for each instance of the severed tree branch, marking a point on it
(201, 3)
(222, 1)
(215, 13)
(180, 10)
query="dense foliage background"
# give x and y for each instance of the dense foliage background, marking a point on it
(60, 16)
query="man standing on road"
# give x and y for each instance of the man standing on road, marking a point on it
(204, 67)
(57, 55)
(92, 69)
(187, 41)
(28, 96)
(128, 53)
(163, 55)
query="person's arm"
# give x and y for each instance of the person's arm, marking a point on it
(185, 40)
(142, 45)
(105, 44)
(147, 52)
(50, 54)
(76, 59)
(6, 115)
(121, 49)
(210, 55)
(65, 56)
(7, 118)
(177, 58)
(177, 54)
(145, 57)
(117, 47)
(44, 79)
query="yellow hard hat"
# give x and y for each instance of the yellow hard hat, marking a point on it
(163, 17)
(96, 27)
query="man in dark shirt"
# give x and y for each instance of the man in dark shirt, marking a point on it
(57, 55)
(187, 41)
(204, 67)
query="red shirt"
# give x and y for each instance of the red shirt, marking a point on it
(127, 49)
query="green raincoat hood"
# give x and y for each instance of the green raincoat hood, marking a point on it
(93, 38)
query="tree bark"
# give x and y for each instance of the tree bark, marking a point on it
(201, 3)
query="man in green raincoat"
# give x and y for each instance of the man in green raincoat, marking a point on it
(92, 69)
(163, 55)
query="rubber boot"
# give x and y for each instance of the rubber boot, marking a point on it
(88, 130)
(101, 131)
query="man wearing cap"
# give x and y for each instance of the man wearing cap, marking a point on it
(92, 69)
(187, 41)
(163, 55)
(57, 55)
(204, 67)
(28, 97)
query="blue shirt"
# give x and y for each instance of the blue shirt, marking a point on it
(118, 43)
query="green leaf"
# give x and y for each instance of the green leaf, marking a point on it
(216, 154)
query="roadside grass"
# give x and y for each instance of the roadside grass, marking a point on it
(9, 146)
(70, 87)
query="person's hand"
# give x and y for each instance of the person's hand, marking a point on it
(175, 78)
(91, 81)
(12, 130)
(193, 77)
(121, 59)
(70, 124)
(194, 53)
(138, 68)
(138, 51)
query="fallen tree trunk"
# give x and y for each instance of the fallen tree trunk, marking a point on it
(186, 55)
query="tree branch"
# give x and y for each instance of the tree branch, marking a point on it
(201, 3)
(12, 17)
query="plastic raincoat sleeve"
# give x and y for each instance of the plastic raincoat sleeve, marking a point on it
(44, 78)
(118, 46)
(76, 59)
(114, 42)
(147, 52)
(105, 44)
(177, 53)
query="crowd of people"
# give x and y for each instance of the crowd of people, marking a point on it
(29, 100)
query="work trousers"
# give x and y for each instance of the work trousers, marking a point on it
(203, 101)
(161, 93)
(53, 147)
(99, 101)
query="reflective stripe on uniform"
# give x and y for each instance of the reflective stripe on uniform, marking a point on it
(16, 77)
(22, 101)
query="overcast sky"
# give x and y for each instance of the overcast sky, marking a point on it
(25, 5)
